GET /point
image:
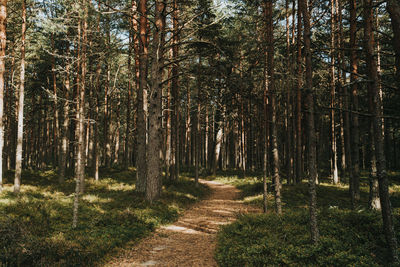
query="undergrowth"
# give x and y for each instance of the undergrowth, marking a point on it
(35, 226)
(348, 238)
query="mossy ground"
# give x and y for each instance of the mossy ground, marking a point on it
(348, 237)
(35, 226)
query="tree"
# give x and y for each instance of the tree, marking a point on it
(393, 8)
(18, 161)
(309, 109)
(3, 41)
(153, 175)
(80, 111)
(374, 95)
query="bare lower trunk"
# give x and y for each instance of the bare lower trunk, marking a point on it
(309, 109)
(142, 100)
(393, 8)
(3, 17)
(18, 160)
(355, 154)
(374, 95)
(154, 174)
(80, 127)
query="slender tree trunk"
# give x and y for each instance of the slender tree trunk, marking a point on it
(65, 142)
(372, 72)
(197, 125)
(80, 127)
(18, 159)
(3, 40)
(354, 116)
(289, 126)
(142, 99)
(334, 168)
(309, 109)
(299, 85)
(174, 172)
(393, 8)
(270, 84)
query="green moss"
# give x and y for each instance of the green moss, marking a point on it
(35, 226)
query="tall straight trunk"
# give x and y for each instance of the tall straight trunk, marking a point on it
(377, 114)
(96, 145)
(56, 127)
(289, 132)
(374, 201)
(393, 8)
(265, 141)
(174, 172)
(345, 98)
(65, 126)
(334, 168)
(187, 129)
(80, 114)
(18, 158)
(309, 109)
(270, 83)
(3, 40)
(299, 85)
(197, 125)
(142, 99)
(154, 172)
(168, 113)
(355, 147)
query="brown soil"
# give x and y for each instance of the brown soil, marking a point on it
(192, 239)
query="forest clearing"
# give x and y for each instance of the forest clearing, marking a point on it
(199, 133)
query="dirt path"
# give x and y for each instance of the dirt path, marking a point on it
(191, 240)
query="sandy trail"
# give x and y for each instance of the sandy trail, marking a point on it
(192, 239)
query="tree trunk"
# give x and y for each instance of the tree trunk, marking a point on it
(334, 168)
(18, 158)
(309, 109)
(354, 116)
(299, 85)
(64, 132)
(393, 8)
(373, 88)
(80, 115)
(3, 40)
(142, 99)
(174, 172)
(154, 172)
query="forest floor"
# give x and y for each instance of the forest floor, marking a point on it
(191, 240)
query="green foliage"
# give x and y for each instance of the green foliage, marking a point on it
(348, 238)
(35, 227)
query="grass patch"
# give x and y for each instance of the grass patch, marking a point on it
(348, 238)
(35, 226)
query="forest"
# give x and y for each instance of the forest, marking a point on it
(199, 133)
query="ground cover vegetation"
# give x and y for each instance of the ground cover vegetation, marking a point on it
(349, 237)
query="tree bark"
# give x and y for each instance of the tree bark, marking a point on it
(334, 168)
(377, 113)
(393, 8)
(80, 115)
(154, 171)
(354, 116)
(142, 99)
(3, 41)
(18, 158)
(309, 109)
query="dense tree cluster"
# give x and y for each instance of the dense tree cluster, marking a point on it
(293, 89)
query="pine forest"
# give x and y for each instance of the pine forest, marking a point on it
(199, 133)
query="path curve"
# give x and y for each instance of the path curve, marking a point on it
(192, 239)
